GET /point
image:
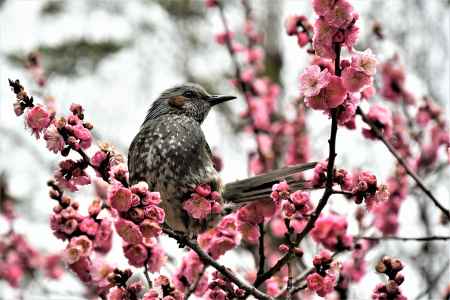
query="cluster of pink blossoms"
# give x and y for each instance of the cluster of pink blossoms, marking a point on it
(222, 238)
(301, 28)
(188, 273)
(19, 260)
(84, 233)
(323, 90)
(203, 202)
(294, 209)
(431, 119)
(323, 279)
(139, 220)
(220, 288)
(251, 215)
(393, 82)
(331, 232)
(355, 267)
(336, 25)
(391, 267)
(386, 213)
(359, 186)
(381, 117)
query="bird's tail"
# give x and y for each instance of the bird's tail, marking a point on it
(260, 187)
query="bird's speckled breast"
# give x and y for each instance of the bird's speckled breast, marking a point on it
(170, 153)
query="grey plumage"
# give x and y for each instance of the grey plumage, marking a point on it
(171, 154)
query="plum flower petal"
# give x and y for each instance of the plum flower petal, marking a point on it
(313, 80)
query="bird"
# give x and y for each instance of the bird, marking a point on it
(170, 153)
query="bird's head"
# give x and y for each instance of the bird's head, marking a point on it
(189, 99)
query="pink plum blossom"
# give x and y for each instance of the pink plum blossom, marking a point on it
(136, 254)
(365, 62)
(355, 80)
(313, 80)
(38, 119)
(55, 141)
(331, 231)
(329, 97)
(120, 198)
(128, 231)
(340, 15)
(198, 207)
(382, 119)
(322, 285)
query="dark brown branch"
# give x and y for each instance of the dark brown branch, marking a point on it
(262, 256)
(147, 277)
(209, 261)
(410, 172)
(345, 193)
(404, 239)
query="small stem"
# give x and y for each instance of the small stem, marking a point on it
(147, 277)
(289, 282)
(410, 172)
(345, 193)
(262, 256)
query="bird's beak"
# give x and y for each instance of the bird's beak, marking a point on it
(217, 99)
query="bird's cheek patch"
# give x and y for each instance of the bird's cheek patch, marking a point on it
(177, 101)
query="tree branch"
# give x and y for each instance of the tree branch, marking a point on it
(410, 172)
(208, 260)
(262, 256)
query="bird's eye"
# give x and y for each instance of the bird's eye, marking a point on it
(189, 94)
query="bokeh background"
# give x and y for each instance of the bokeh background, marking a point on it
(114, 57)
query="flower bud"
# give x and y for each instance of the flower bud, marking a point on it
(399, 278)
(396, 264)
(57, 209)
(65, 201)
(88, 125)
(391, 287)
(380, 267)
(283, 248)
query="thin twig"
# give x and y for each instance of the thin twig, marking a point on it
(289, 282)
(262, 256)
(402, 162)
(404, 239)
(208, 260)
(434, 281)
(147, 277)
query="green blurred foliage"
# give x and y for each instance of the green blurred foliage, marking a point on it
(185, 9)
(52, 7)
(73, 57)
